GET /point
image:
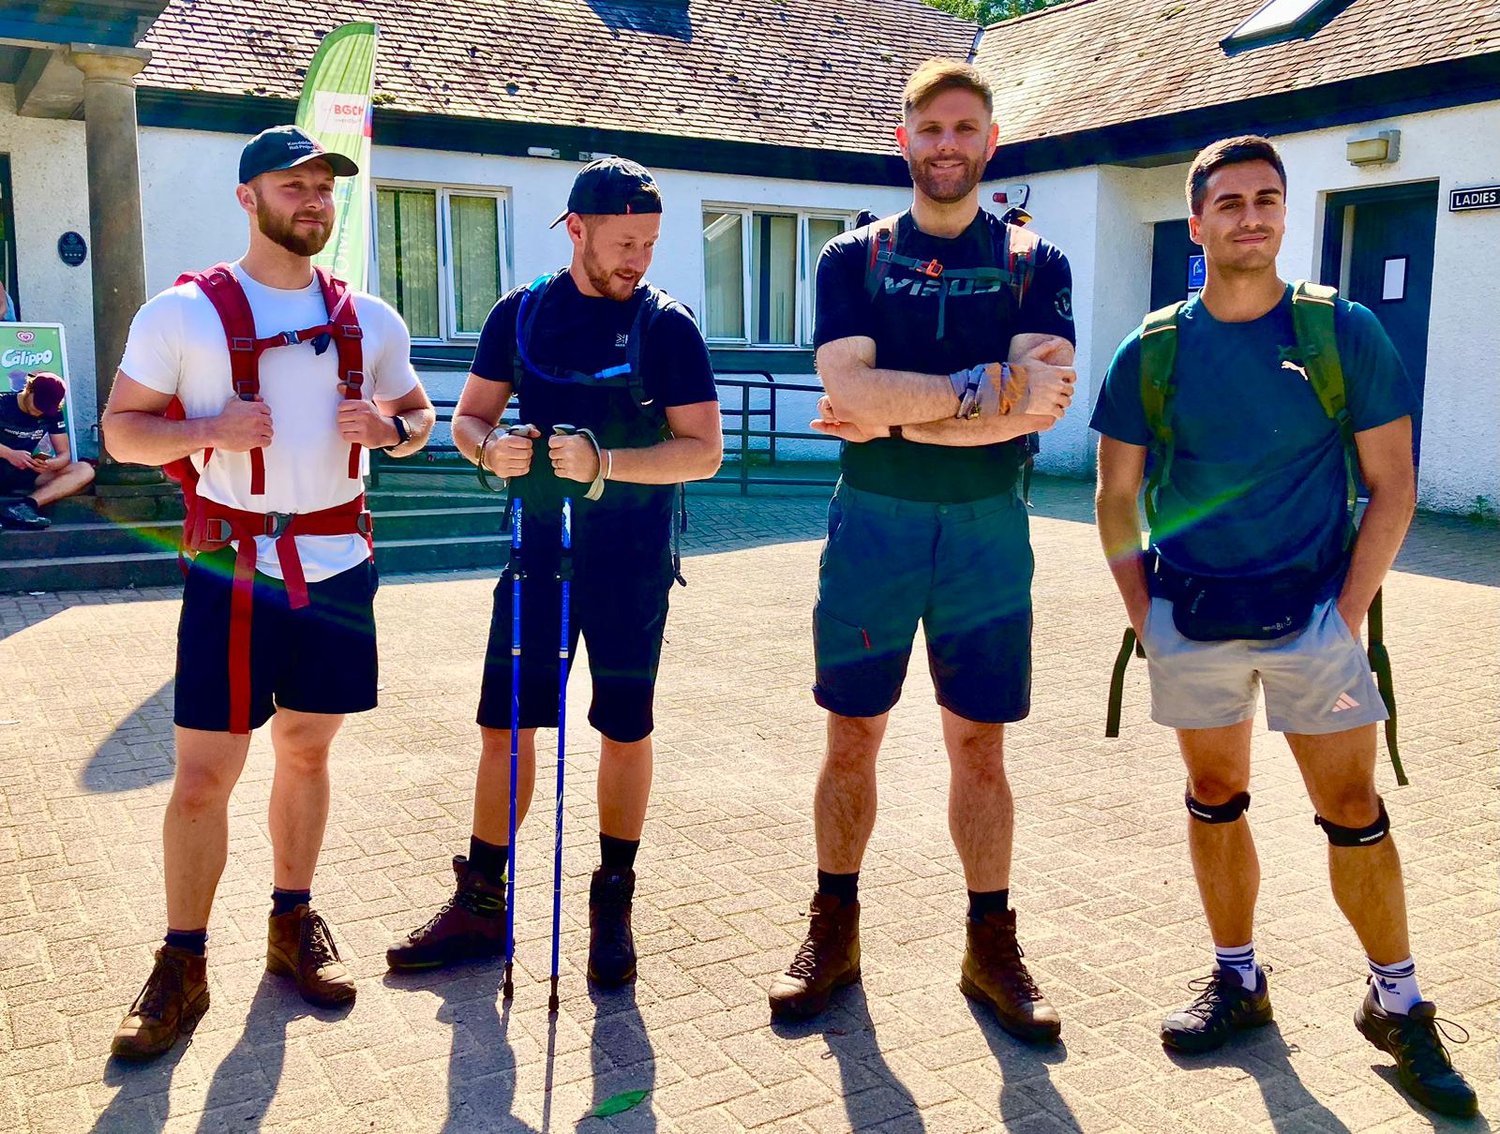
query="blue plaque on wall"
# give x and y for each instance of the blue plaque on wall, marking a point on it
(72, 250)
(1197, 272)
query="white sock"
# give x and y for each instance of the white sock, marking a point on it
(1396, 986)
(1240, 960)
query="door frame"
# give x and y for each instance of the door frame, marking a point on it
(1332, 261)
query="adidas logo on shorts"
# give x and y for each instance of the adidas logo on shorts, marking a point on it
(1345, 702)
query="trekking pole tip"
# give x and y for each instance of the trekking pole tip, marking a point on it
(508, 989)
(552, 1000)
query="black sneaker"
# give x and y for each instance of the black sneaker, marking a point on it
(1422, 1063)
(611, 943)
(23, 516)
(1224, 1006)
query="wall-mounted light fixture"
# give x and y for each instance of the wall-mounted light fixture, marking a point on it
(1374, 147)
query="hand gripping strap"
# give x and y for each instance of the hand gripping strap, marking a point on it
(1226, 812)
(1357, 836)
(221, 288)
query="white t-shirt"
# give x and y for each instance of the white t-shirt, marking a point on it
(177, 346)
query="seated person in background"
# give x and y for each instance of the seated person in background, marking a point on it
(26, 417)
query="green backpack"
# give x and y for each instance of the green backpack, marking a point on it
(1318, 359)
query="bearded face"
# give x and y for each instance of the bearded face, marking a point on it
(947, 143)
(302, 232)
(614, 252)
(294, 207)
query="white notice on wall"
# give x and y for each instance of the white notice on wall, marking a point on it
(1394, 286)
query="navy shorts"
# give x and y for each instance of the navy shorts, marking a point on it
(320, 659)
(13, 479)
(962, 570)
(617, 601)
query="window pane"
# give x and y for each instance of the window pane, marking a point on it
(773, 271)
(476, 259)
(820, 230)
(406, 228)
(724, 275)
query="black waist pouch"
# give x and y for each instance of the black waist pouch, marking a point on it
(1213, 609)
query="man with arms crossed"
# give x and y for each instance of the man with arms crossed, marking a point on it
(927, 525)
(310, 623)
(1252, 521)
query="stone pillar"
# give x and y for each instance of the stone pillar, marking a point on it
(117, 256)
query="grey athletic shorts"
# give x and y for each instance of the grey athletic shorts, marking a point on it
(1317, 680)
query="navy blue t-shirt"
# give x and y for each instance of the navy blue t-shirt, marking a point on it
(979, 322)
(1257, 485)
(22, 432)
(588, 334)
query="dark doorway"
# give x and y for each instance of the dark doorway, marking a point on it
(1172, 253)
(7, 237)
(1378, 248)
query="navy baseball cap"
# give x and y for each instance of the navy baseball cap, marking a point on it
(282, 147)
(612, 187)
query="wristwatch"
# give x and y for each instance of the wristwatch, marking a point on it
(402, 434)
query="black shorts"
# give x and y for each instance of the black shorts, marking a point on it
(320, 659)
(617, 600)
(962, 570)
(13, 479)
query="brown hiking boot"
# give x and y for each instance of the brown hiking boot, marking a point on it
(170, 1005)
(611, 942)
(300, 945)
(826, 961)
(994, 973)
(469, 926)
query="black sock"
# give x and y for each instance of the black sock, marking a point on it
(285, 901)
(489, 859)
(30, 500)
(844, 887)
(194, 941)
(616, 856)
(983, 902)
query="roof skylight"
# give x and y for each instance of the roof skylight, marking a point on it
(1277, 21)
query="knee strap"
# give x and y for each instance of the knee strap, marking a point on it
(1357, 836)
(1226, 812)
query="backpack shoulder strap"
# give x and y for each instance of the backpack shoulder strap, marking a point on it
(882, 244)
(1158, 363)
(526, 312)
(1312, 319)
(223, 290)
(1015, 251)
(348, 339)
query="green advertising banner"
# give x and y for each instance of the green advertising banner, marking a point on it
(27, 347)
(335, 108)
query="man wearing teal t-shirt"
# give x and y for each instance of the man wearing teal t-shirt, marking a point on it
(1251, 579)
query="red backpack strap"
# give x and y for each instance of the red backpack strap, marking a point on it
(882, 246)
(228, 298)
(348, 338)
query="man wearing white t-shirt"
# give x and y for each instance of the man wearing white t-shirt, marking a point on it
(277, 620)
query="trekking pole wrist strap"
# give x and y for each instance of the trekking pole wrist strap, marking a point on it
(596, 488)
(968, 384)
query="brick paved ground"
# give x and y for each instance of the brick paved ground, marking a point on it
(1109, 916)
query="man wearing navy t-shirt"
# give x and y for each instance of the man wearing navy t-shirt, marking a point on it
(27, 417)
(1255, 578)
(944, 338)
(594, 347)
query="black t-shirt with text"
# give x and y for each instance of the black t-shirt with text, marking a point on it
(22, 432)
(581, 334)
(979, 322)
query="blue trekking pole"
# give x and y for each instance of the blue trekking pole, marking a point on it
(515, 735)
(565, 577)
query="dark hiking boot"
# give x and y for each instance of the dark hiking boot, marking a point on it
(1422, 1063)
(300, 945)
(826, 961)
(23, 517)
(994, 974)
(611, 943)
(170, 1005)
(470, 926)
(1224, 1006)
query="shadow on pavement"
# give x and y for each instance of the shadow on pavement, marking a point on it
(1479, 1124)
(481, 1065)
(622, 1058)
(1025, 1076)
(141, 1103)
(1263, 1056)
(123, 762)
(1452, 547)
(872, 1094)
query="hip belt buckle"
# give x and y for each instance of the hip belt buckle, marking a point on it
(277, 523)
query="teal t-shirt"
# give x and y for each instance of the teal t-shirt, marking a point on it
(1257, 485)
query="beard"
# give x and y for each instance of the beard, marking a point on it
(605, 281)
(946, 187)
(284, 232)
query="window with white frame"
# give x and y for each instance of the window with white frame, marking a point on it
(758, 268)
(439, 257)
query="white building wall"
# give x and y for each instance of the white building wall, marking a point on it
(1101, 217)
